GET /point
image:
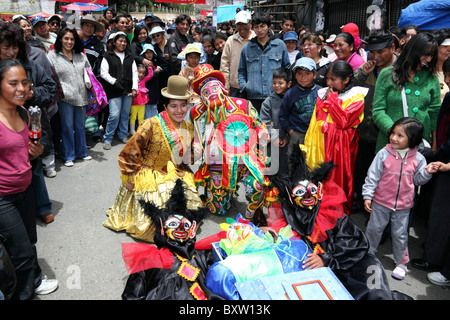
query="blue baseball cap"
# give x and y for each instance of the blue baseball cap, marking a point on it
(305, 63)
(37, 19)
(290, 35)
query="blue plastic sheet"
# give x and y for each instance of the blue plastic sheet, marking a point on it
(227, 13)
(426, 15)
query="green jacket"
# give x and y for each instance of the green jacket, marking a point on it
(424, 100)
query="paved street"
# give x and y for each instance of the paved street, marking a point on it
(86, 257)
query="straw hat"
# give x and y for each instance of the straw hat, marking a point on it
(90, 19)
(177, 88)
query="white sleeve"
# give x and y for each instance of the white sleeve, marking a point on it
(104, 72)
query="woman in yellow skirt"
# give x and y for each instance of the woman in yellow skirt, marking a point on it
(152, 160)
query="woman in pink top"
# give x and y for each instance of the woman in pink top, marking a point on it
(345, 49)
(17, 212)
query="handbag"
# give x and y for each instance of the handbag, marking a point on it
(96, 94)
(91, 125)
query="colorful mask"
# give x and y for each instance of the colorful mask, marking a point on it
(307, 194)
(179, 228)
(213, 96)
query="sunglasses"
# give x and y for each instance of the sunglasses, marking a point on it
(156, 35)
(55, 24)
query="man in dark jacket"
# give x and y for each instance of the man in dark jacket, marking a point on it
(92, 46)
(178, 41)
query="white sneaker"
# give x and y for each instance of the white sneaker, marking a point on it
(50, 173)
(47, 286)
(68, 163)
(438, 278)
(87, 158)
(399, 272)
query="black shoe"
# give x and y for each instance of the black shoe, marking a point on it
(421, 264)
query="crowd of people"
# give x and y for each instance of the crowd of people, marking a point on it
(377, 107)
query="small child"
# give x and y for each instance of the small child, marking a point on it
(192, 56)
(298, 104)
(138, 103)
(151, 107)
(388, 190)
(269, 114)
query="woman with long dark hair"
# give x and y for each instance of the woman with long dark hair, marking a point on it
(70, 63)
(414, 73)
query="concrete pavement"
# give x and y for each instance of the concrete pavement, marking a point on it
(86, 257)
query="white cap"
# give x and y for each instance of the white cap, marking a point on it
(243, 17)
(331, 38)
(446, 42)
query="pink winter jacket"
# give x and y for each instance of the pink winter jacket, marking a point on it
(142, 94)
(390, 179)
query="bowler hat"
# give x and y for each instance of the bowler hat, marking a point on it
(177, 88)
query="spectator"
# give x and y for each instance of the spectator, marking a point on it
(400, 38)
(415, 71)
(155, 22)
(298, 103)
(54, 24)
(162, 58)
(442, 37)
(151, 107)
(311, 46)
(287, 24)
(17, 212)
(177, 41)
(291, 41)
(232, 52)
(42, 32)
(109, 15)
(410, 31)
(93, 48)
(344, 48)
(69, 62)
(259, 58)
(42, 94)
(381, 47)
(101, 35)
(118, 73)
(148, 17)
(270, 116)
(219, 40)
(436, 251)
(140, 38)
(208, 48)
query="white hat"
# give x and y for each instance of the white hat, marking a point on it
(331, 38)
(157, 29)
(243, 17)
(446, 42)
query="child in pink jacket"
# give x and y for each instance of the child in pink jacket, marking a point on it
(389, 188)
(138, 104)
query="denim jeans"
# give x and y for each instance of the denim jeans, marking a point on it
(42, 200)
(19, 236)
(73, 119)
(119, 113)
(151, 110)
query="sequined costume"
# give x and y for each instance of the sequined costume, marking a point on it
(152, 160)
(227, 131)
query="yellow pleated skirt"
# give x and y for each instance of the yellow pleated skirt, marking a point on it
(154, 186)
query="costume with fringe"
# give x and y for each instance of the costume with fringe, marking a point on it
(152, 160)
(228, 134)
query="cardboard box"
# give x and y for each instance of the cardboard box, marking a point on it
(315, 284)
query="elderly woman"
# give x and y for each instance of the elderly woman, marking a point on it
(345, 49)
(70, 63)
(311, 47)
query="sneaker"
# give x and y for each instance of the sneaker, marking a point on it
(124, 140)
(106, 145)
(399, 272)
(50, 173)
(68, 163)
(438, 278)
(87, 158)
(47, 286)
